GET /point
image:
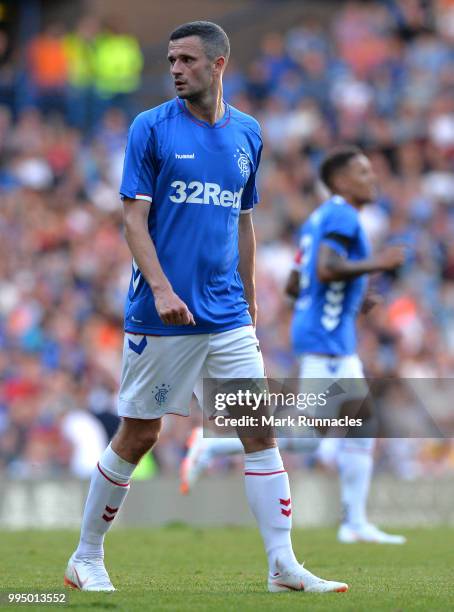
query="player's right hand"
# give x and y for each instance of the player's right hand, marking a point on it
(171, 309)
(391, 258)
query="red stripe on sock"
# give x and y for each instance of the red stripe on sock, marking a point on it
(118, 484)
(264, 473)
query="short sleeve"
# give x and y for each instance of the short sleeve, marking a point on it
(341, 221)
(139, 169)
(250, 195)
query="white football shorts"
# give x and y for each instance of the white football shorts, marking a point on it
(341, 378)
(324, 366)
(160, 373)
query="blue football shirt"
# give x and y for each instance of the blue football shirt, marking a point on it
(324, 319)
(199, 178)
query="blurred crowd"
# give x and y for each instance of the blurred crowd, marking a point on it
(78, 73)
(378, 74)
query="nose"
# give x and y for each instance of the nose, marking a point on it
(176, 68)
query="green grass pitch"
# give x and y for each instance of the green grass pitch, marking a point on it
(180, 568)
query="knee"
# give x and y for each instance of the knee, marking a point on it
(135, 438)
(145, 439)
(254, 445)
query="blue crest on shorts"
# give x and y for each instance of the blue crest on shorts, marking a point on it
(161, 394)
(138, 348)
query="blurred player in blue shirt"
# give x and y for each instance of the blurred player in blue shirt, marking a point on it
(188, 191)
(329, 283)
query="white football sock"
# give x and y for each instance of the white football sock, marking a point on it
(355, 461)
(108, 489)
(268, 493)
(213, 447)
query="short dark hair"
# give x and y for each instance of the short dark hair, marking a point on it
(215, 41)
(335, 161)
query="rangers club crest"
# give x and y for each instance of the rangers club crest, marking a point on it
(244, 163)
(161, 394)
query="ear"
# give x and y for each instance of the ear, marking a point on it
(219, 65)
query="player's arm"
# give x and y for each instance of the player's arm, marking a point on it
(171, 309)
(333, 265)
(246, 266)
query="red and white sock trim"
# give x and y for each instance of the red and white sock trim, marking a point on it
(264, 473)
(118, 484)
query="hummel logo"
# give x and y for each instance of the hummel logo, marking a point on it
(135, 275)
(184, 155)
(138, 348)
(109, 514)
(286, 503)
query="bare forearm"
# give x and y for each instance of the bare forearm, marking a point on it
(333, 267)
(170, 308)
(140, 244)
(247, 277)
(347, 269)
(145, 256)
(246, 267)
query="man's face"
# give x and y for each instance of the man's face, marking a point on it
(359, 180)
(191, 70)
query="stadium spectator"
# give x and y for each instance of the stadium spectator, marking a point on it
(48, 69)
(118, 63)
(80, 52)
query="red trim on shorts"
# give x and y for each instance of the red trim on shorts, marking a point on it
(118, 484)
(264, 473)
